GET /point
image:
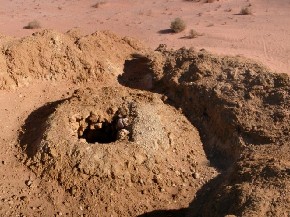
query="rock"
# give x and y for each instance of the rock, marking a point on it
(73, 190)
(28, 183)
(81, 131)
(122, 112)
(98, 125)
(122, 123)
(122, 134)
(93, 118)
(196, 175)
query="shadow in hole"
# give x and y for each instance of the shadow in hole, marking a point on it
(34, 127)
(104, 135)
(136, 74)
(165, 31)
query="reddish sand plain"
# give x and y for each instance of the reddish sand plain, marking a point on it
(263, 36)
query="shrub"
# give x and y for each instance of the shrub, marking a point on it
(178, 25)
(246, 11)
(193, 34)
(33, 25)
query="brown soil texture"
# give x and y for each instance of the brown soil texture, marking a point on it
(51, 56)
(138, 132)
(149, 167)
(242, 112)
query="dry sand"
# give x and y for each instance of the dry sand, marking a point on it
(263, 36)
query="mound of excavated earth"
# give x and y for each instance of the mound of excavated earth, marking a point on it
(124, 152)
(242, 111)
(52, 56)
(133, 149)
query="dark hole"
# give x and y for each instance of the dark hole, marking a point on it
(106, 134)
(205, 114)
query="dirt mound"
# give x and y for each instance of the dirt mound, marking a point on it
(121, 148)
(134, 153)
(49, 55)
(242, 112)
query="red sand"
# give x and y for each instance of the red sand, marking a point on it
(263, 36)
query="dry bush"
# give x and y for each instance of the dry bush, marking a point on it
(178, 25)
(246, 11)
(98, 4)
(33, 25)
(193, 34)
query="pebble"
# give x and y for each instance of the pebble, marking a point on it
(93, 117)
(196, 175)
(122, 134)
(122, 123)
(28, 183)
(98, 125)
(141, 181)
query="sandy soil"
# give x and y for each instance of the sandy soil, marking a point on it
(263, 36)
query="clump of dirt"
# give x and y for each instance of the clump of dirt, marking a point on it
(124, 149)
(49, 55)
(242, 112)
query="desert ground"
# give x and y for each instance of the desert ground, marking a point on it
(107, 112)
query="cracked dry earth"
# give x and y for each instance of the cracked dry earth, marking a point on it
(99, 125)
